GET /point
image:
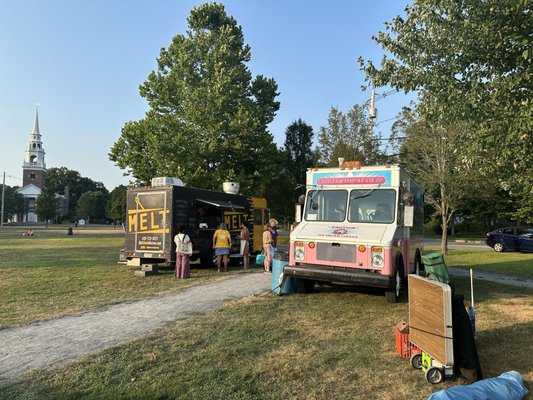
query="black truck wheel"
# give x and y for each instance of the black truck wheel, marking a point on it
(304, 285)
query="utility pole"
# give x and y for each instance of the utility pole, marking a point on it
(3, 197)
(372, 113)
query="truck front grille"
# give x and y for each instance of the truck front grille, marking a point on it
(336, 252)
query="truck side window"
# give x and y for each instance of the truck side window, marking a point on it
(258, 217)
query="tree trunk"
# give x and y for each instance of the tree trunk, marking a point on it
(444, 239)
(452, 226)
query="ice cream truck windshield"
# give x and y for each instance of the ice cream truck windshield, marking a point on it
(373, 206)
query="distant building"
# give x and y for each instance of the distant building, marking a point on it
(34, 177)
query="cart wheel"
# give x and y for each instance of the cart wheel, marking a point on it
(434, 375)
(416, 361)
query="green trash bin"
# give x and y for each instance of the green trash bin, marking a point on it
(435, 267)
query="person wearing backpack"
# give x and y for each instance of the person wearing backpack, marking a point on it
(183, 251)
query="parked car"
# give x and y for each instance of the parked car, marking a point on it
(513, 238)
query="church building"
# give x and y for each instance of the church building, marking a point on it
(34, 177)
(34, 172)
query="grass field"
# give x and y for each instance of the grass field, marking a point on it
(51, 274)
(519, 265)
(328, 345)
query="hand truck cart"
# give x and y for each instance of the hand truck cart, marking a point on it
(430, 328)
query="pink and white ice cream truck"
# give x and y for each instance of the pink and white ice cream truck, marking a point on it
(359, 225)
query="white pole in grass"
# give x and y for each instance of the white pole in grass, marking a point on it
(472, 287)
(3, 197)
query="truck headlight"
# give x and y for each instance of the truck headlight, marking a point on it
(377, 261)
(299, 252)
(377, 257)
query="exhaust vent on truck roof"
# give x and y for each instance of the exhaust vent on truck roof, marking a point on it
(167, 181)
(231, 187)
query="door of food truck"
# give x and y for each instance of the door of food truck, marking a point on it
(261, 217)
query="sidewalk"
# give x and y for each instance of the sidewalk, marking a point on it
(491, 277)
(47, 343)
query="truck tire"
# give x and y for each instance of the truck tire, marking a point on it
(392, 295)
(304, 285)
(419, 267)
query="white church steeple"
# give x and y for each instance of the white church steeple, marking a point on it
(34, 167)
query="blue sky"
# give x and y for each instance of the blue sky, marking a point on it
(83, 62)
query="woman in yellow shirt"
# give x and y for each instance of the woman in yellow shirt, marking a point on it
(222, 244)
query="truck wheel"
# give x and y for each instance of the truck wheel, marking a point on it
(419, 267)
(434, 375)
(393, 295)
(304, 285)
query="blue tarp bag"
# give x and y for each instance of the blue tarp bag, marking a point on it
(507, 386)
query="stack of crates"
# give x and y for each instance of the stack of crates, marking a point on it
(404, 347)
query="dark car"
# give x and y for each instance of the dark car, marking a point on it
(513, 238)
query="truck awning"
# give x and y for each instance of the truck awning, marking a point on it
(222, 204)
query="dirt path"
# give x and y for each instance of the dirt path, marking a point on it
(47, 343)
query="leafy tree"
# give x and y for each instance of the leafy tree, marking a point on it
(300, 155)
(432, 154)
(47, 205)
(92, 205)
(280, 190)
(57, 179)
(13, 202)
(208, 119)
(470, 62)
(347, 136)
(116, 207)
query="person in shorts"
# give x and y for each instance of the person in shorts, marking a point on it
(267, 247)
(273, 227)
(245, 246)
(222, 244)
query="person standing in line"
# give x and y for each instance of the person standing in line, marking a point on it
(245, 245)
(273, 227)
(222, 245)
(267, 247)
(183, 251)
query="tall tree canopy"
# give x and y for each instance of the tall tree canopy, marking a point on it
(116, 207)
(47, 205)
(14, 203)
(208, 119)
(433, 154)
(92, 205)
(348, 136)
(470, 61)
(57, 179)
(298, 149)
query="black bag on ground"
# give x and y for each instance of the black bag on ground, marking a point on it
(466, 360)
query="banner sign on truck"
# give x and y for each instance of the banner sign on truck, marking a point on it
(148, 221)
(353, 177)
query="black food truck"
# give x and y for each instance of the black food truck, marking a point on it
(155, 212)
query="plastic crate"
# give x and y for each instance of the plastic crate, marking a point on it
(404, 347)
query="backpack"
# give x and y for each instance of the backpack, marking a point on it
(184, 247)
